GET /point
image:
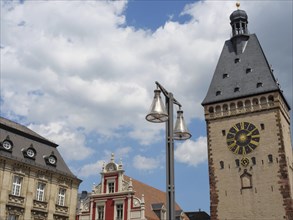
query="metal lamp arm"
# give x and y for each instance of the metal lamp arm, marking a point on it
(166, 93)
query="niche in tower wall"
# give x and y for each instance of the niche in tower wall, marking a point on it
(246, 180)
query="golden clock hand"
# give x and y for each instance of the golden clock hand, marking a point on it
(250, 133)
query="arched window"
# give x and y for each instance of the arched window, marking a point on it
(271, 99)
(232, 106)
(240, 105)
(255, 101)
(247, 103)
(222, 164)
(218, 109)
(263, 100)
(211, 110)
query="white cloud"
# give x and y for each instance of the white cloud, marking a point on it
(77, 64)
(146, 163)
(119, 153)
(72, 143)
(90, 169)
(192, 152)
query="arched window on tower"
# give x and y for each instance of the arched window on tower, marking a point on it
(253, 160)
(222, 164)
(237, 162)
(255, 101)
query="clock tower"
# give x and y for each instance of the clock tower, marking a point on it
(248, 129)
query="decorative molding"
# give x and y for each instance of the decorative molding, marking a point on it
(39, 214)
(16, 199)
(40, 204)
(63, 209)
(14, 210)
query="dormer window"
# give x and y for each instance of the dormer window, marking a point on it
(237, 60)
(29, 152)
(225, 75)
(218, 93)
(248, 70)
(7, 145)
(236, 89)
(51, 159)
(259, 84)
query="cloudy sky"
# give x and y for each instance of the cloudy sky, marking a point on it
(82, 74)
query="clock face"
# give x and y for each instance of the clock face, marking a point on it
(6, 145)
(30, 152)
(243, 138)
(52, 160)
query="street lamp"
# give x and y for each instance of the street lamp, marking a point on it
(158, 114)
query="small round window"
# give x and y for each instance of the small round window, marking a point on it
(7, 145)
(30, 152)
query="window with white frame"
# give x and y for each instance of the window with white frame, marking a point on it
(16, 185)
(40, 191)
(61, 197)
(100, 212)
(111, 187)
(119, 211)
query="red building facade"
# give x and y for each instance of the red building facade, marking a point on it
(119, 197)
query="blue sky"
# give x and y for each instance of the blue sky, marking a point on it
(82, 74)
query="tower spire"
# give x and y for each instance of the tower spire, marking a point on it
(239, 21)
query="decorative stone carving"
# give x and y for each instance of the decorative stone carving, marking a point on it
(40, 204)
(63, 209)
(15, 210)
(39, 214)
(97, 189)
(16, 199)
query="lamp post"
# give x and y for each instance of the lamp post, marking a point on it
(158, 114)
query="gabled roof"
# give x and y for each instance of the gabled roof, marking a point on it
(251, 73)
(152, 196)
(23, 138)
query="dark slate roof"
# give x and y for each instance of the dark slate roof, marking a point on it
(238, 14)
(251, 55)
(23, 138)
(200, 215)
(20, 129)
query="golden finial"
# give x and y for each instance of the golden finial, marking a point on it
(237, 5)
